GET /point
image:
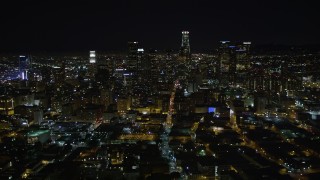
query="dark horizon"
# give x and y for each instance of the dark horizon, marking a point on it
(52, 26)
(255, 49)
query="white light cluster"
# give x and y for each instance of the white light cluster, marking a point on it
(92, 56)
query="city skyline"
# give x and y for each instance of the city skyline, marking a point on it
(85, 25)
(170, 92)
(155, 115)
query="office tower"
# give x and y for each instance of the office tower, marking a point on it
(185, 53)
(257, 78)
(6, 105)
(243, 62)
(169, 66)
(92, 64)
(59, 74)
(260, 102)
(155, 64)
(132, 56)
(24, 67)
(138, 63)
(223, 59)
(233, 65)
(227, 62)
(102, 75)
(290, 81)
(92, 57)
(38, 116)
(141, 64)
(243, 51)
(244, 47)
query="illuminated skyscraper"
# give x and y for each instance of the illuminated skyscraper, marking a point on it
(246, 46)
(227, 60)
(132, 56)
(142, 62)
(92, 63)
(243, 62)
(185, 46)
(24, 67)
(92, 57)
(6, 105)
(138, 63)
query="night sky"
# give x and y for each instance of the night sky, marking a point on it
(30, 25)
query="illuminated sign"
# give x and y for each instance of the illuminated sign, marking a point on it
(211, 109)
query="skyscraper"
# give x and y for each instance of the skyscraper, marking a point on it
(141, 64)
(132, 56)
(92, 57)
(24, 66)
(143, 69)
(227, 60)
(243, 62)
(243, 51)
(92, 63)
(185, 46)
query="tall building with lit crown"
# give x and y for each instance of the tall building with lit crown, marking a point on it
(24, 67)
(185, 53)
(92, 63)
(132, 55)
(143, 65)
(92, 57)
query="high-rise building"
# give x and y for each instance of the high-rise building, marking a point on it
(243, 51)
(24, 67)
(226, 62)
(245, 46)
(141, 64)
(38, 116)
(243, 62)
(92, 63)
(233, 62)
(132, 56)
(102, 75)
(185, 46)
(92, 57)
(6, 105)
(138, 63)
